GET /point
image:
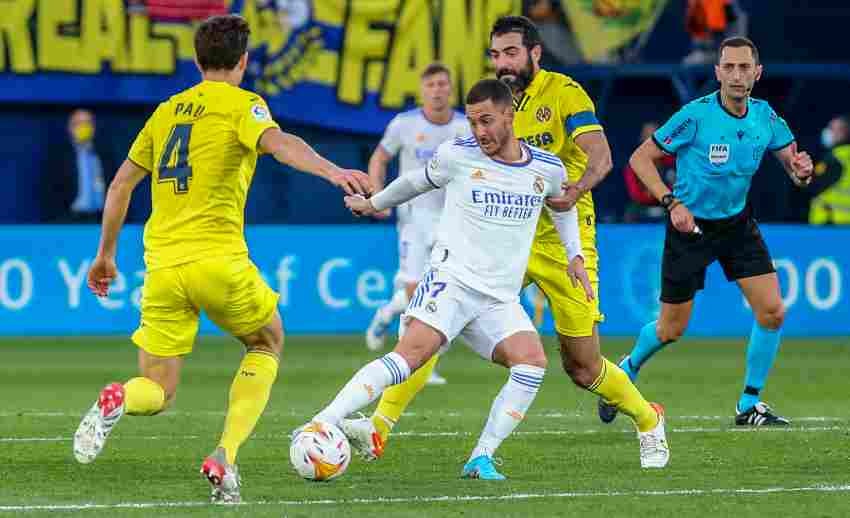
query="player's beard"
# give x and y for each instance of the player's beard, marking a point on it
(521, 78)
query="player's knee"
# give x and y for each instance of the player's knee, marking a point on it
(415, 356)
(534, 358)
(274, 347)
(530, 354)
(772, 316)
(418, 344)
(581, 375)
(266, 342)
(269, 339)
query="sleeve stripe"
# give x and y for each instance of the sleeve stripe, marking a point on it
(783, 146)
(661, 146)
(577, 120)
(428, 177)
(140, 166)
(547, 160)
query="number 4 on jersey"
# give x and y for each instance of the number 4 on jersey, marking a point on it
(177, 167)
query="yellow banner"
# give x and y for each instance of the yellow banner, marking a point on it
(349, 64)
(601, 26)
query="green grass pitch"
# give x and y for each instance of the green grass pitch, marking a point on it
(562, 461)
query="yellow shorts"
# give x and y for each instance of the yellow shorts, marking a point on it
(547, 268)
(229, 289)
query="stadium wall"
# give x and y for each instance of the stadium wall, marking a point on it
(332, 277)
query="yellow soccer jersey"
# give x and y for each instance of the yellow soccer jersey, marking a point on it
(200, 147)
(551, 113)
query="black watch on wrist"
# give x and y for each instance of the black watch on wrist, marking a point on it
(667, 200)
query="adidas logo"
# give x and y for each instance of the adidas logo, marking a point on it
(478, 174)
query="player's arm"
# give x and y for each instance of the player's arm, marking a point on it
(291, 150)
(582, 126)
(103, 269)
(386, 149)
(599, 163)
(566, 223)
(405, 187)
(378, 163)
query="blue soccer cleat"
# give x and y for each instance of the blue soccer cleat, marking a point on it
(481, 467)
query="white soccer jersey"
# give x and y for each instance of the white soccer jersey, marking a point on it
(486, 229)
(415, 139)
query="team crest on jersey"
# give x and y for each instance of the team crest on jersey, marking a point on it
(260, 112)
(543, 114)
(420, 137)
(539, 185)
(718, 154)
(478, 174)
(431, 307)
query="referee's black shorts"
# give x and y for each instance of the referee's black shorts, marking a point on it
(734, 241)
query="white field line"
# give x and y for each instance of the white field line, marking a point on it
(787, 429)
(545, 415)
(443, 498)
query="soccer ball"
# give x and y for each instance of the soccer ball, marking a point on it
(320, 451)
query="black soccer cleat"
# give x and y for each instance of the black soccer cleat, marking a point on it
(760, 415)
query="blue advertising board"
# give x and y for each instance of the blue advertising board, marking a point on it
(332, 278)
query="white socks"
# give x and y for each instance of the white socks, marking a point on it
(509, 408)
(365, 387)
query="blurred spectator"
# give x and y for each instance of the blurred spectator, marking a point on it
(831, 186)
(179, 11)
(80, 171)
(558, 40)
(643, 206)
(708, 22)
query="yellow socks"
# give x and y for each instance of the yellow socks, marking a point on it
(395, 399)
(615, 387)
(249, 394)
(143, 396)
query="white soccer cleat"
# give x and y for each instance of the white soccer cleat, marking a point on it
(654, 451)
(436, 379)
(363, 437)
(96, 425)
(223, 477)
(376, 333)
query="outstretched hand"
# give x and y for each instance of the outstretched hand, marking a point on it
(351, 181)
(359, 205)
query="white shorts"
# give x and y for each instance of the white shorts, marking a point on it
(454, 309)
(415, 243)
